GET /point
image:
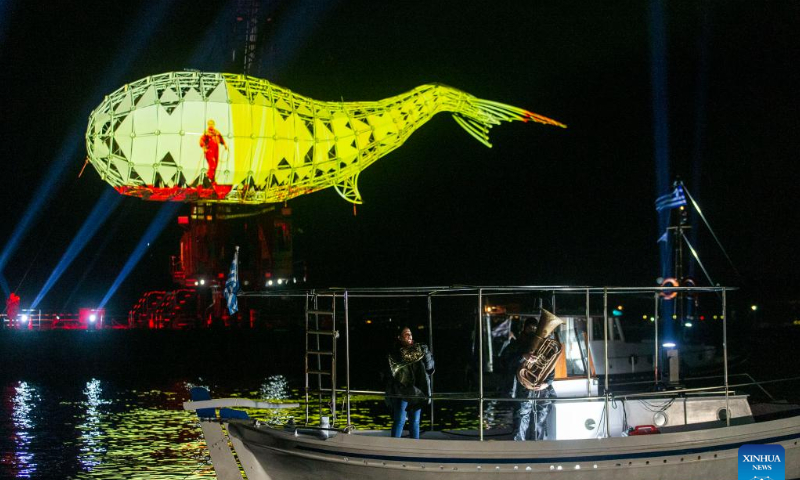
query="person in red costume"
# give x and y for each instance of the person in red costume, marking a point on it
(12, 309)
(210, 142)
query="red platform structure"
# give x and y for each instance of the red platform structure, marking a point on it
(210, 233)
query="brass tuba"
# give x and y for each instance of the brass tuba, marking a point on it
(406, 357)
(540, 359)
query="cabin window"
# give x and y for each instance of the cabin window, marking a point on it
(597, 329)
(573, 336)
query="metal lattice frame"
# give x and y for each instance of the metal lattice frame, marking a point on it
(144, 138)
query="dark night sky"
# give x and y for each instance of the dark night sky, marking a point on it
(544, 206)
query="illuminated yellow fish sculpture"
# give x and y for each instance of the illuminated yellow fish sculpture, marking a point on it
(218, 137)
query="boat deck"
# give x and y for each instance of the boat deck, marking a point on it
(466, 435)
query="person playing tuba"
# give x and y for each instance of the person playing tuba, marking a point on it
(531, 362)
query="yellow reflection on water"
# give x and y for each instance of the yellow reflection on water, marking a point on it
(123, 433)
(143, 443)
(370, 412)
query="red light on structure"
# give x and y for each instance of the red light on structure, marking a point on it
(183, 220)
(220, 275)
(268, 275)
(702, 317)
(91, 317)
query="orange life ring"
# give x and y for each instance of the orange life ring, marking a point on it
(669, 295)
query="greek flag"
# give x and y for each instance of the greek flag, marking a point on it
(232, 285)
(674, 199)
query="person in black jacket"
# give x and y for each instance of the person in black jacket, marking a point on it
(410, 368)
(525, 427)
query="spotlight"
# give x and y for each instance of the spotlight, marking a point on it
(668, 345)
(92, 318)
(23, 318)
(687, 324)
(202, 281)
(269, 283)
(754, 307)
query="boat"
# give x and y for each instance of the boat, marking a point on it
(595, 431)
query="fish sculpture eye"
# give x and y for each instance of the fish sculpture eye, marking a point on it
(218, 137)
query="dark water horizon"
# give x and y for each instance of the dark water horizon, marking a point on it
(108, 405)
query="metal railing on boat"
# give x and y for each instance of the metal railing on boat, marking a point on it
(480, 292)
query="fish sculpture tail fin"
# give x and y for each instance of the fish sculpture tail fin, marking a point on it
(477, 116)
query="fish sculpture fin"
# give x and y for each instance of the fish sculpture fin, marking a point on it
(348, 189)
(477, 116)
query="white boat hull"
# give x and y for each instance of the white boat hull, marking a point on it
(271, 454)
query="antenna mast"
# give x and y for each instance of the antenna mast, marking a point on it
(245, 32)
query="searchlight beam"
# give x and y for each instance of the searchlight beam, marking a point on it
(104, 207)
(162, 218)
